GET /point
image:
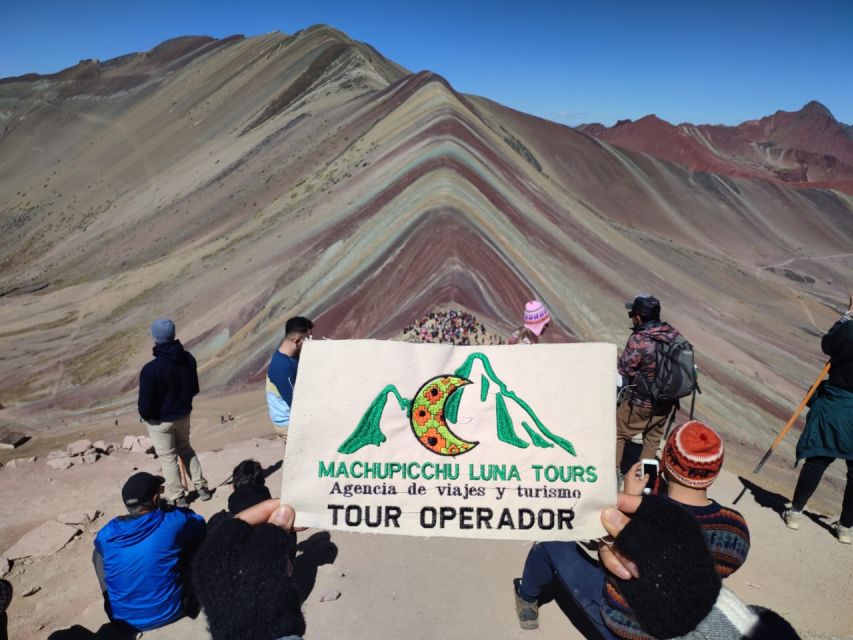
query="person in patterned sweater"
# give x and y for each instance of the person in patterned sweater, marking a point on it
(638, 368)
(692, 459)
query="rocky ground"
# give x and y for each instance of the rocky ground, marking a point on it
(360, 586)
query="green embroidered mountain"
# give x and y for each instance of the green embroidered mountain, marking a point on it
(429, 422)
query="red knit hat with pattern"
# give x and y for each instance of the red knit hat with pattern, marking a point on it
(693, 455)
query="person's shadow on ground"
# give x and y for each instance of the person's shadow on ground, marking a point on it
(779, 503)
(311, 554)
(108, 631)
(272, 469)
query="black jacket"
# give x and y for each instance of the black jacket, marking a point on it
(838, 345)
(168, 383)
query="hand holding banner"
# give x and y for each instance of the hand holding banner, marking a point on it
(436, 440)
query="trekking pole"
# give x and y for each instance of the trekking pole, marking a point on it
(695, 390)
(793, 419)
(671, 420)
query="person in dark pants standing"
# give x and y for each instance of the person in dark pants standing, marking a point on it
(829, 428)
(167, 386)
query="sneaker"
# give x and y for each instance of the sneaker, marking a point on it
(792, 518)
(844, 534)
(181, 503)
(527, 612)
(204, 494)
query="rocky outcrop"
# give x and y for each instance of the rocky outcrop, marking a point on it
(44, 540)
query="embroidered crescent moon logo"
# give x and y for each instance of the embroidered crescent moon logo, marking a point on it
(427, 419)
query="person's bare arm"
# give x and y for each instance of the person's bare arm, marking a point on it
(273, 512)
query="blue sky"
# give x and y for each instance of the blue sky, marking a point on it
(700, 61)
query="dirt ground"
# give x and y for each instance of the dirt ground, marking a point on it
(390, 586)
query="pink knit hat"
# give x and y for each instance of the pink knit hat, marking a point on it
(536, 316)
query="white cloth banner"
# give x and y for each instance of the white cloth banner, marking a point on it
(503, 442)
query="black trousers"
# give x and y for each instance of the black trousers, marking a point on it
(810, 476)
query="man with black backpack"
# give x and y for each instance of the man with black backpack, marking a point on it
(657, 369)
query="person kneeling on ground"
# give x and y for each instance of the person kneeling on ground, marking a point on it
(692, 458)
(242, 576)
(141, 559)
(247, 479)
(673, 583)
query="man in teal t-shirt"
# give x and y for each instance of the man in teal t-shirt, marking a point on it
(281, 375)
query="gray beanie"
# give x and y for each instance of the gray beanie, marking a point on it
(163, 330)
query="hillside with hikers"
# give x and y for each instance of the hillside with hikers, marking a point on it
(179, 223)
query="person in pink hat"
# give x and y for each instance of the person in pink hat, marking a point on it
(536, 319)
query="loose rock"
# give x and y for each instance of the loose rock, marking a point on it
(330, 595)
(128, 442)
(59, 453)
(142, 445)
(89, 458)
(5, 565)
(59, 463)
(79, 447)
(44, 540)
(79, 517)
(19, 462)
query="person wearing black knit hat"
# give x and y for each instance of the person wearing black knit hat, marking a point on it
(242, 577)
(676, 591)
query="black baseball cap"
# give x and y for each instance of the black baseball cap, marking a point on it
(140, 488)
(645, 306)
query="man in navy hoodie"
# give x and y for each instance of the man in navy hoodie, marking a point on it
(140, 558)
(167, 385)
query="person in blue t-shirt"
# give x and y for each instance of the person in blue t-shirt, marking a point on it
(141, 559)
(281, 376)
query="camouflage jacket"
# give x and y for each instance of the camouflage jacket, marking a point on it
(639, 359)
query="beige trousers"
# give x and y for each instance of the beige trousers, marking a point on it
(634, 419)
(170, 440)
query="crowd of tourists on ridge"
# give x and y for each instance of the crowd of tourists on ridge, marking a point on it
(658, 575)
(449, 327)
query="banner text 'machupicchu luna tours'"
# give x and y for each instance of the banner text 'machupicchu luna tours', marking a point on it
(435, 440)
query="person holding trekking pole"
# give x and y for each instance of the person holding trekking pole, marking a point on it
(648, 401)
(829, 428)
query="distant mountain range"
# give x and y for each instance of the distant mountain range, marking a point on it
(233, 183)
(806, 148)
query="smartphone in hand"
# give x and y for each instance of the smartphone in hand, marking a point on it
(650, 468)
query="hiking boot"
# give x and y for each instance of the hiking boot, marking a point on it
(844, 534)
(792, 518)
(527, 612)
(204, 494)
(181, 503)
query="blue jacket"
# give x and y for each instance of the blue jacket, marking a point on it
(168, 383)
(142, 557)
